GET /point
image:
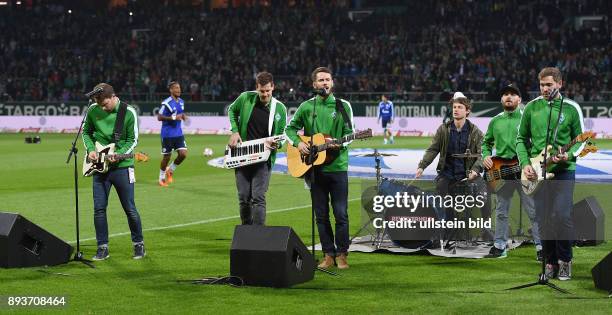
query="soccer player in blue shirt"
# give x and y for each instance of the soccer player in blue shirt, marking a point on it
(171, 113)
(385, 112)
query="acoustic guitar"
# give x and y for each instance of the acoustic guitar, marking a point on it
(299, 164)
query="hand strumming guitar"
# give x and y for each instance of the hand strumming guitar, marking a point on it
(304, 148)
(487, 162)
(530, 172)
(92, 156)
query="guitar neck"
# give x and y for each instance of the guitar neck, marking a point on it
(327, 145)
(119, 157)
(563, 149)
(569, 145)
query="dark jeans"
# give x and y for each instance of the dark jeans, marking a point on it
(334, 185)
(553, 202)
(125, 190)
(252, 183)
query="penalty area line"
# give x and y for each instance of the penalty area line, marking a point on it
(175, 226)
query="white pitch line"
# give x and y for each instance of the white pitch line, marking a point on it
(159, 228)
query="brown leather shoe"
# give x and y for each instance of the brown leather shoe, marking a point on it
(342, 261)
(328, 262)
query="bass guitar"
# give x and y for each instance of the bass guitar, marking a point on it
(502, 170)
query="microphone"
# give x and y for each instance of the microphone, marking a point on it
(95, 91)
(553, 94)
(321, 92)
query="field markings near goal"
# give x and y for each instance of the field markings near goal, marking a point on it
(159, 228)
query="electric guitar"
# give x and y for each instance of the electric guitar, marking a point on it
(299, 164)
(537, 162)
(100, 165)
(503, 169)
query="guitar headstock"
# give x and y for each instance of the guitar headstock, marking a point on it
(586, 136)
(141, 157)
(590, 147)
(363, 134)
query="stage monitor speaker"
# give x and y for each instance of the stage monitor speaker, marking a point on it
(270, 256)
(24, 244)
(589, 222)
(602, 273)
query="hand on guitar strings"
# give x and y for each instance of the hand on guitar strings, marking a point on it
(92, 156)
(562, 157)
(487, 162)
(530, 172)
(303, 147)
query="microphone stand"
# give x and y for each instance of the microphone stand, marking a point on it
(78, 256)
(542, 279)
(311, 158)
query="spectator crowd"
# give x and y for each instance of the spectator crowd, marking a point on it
(417, 50)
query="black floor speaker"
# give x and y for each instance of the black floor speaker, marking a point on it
(24, 244)
(589, 222)
(602, 273)
(270, 256)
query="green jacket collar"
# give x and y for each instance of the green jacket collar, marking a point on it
(330, 100)
(513, 113)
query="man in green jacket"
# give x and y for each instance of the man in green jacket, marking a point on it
(331, 180)
(559, 118)
(255, 115)
(98, 127)
(501, 134)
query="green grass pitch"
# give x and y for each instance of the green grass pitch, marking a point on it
(188, 229)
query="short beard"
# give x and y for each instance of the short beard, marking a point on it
(510, 108)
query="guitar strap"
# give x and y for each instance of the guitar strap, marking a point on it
(558, 121)
(119, 122)
(345, 117)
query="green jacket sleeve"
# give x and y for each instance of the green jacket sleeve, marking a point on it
(348, 130)
(128, 141)
(88, 136)
(575, 132)
(489, 140)
(523, 137)
(282, 110)
(234, 113)
(434, 148)
(295, 124)
(349, 110)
